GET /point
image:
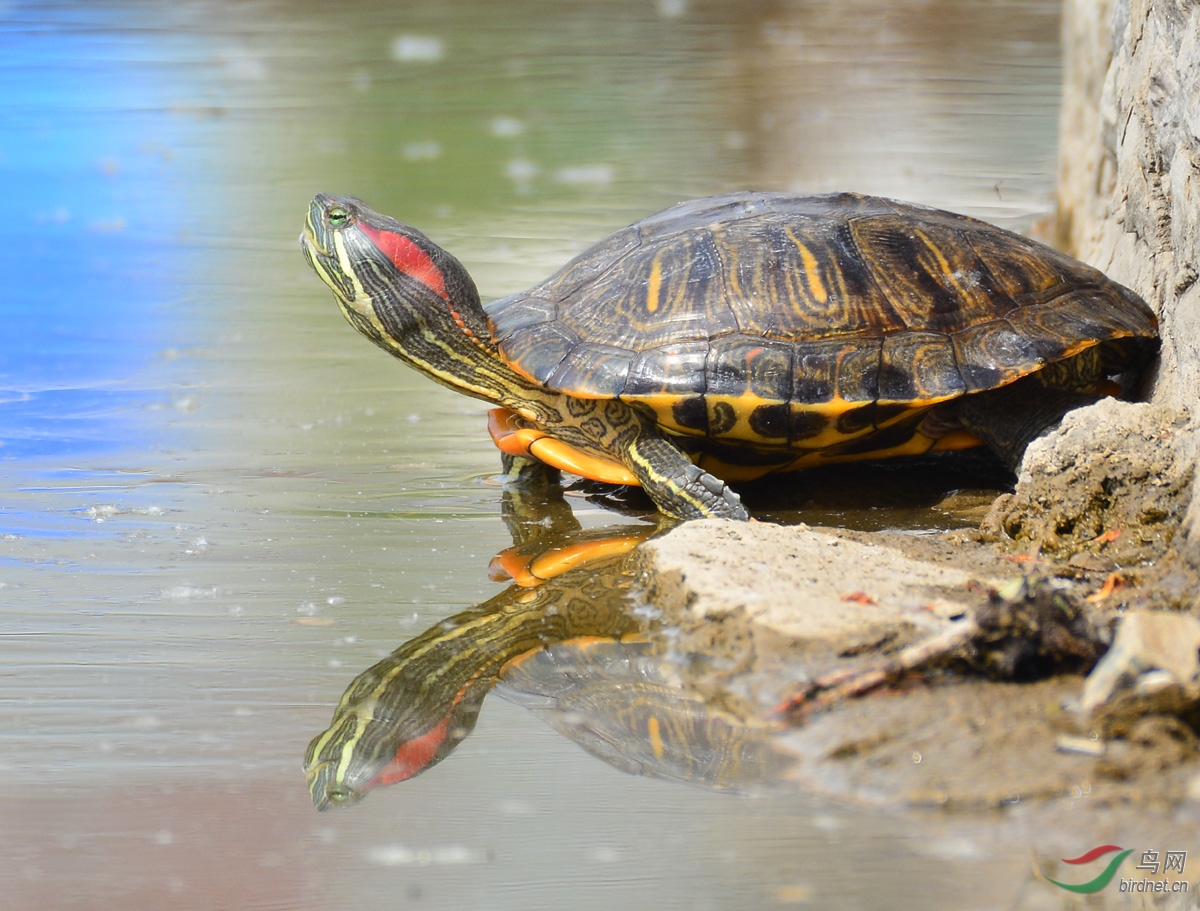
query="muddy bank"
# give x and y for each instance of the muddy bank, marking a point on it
(948, 669)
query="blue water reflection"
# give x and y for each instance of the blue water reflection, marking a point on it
(88, 237)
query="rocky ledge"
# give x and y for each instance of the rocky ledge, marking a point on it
(1053, 655)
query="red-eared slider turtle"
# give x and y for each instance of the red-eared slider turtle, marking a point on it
(731, 337)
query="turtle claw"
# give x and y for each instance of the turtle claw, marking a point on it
(710, 497)
(684, 490)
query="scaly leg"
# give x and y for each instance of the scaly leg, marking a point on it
(677, 487)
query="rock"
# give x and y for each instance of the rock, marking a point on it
(1153, 665)
(799, 582)
(1113, 480)
(1128, 192)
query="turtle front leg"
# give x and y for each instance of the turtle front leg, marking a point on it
(677, 487)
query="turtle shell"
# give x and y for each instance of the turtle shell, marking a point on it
(629, 706)
(803, 322)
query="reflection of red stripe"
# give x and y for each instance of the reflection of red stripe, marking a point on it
(408, 257)
(412, 756)
(1092, 854)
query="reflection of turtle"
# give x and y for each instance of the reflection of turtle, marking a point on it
(747, 334)
(409, 711)
(634, 710)
(568, 649)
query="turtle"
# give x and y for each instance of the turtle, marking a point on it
(738, 335)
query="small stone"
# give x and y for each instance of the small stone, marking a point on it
(1084, 746)
(1152, 652)
(1093, 563)
(1193, 788)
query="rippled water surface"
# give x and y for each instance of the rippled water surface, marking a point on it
(220, 504)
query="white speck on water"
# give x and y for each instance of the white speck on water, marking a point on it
(108, 225)
(335, 600)
(506, 127)
(521, 170)
(440, 856)
(99, 514)
(199, 546)
(586, 175)
(326, 835)
(511, 806)
(604, 854)
(243, 64)
(422, 151)
(331, 145)
(826, 822)
(190, 592)
(417, 49)
(672, 9)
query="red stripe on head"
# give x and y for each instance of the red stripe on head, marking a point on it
(408, 257)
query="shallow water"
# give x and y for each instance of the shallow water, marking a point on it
(220, 504)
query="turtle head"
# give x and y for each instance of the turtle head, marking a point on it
(382, 733)
(394, 284)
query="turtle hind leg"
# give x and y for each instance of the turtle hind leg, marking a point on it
(678, 488)
(1008, 419)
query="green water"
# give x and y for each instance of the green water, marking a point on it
(220, 504)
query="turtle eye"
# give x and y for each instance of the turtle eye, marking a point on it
(339, 794)
(337, 216)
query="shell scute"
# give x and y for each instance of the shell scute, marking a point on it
(919, 367)
(537, 350)
(1025, 270)
(929, 274)
(588, 266)
(800, 279)
(655, 301)
(512, 314)
(672, 370)
(702, 213)
(992, 354)
(593, 371)
(738, 364)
